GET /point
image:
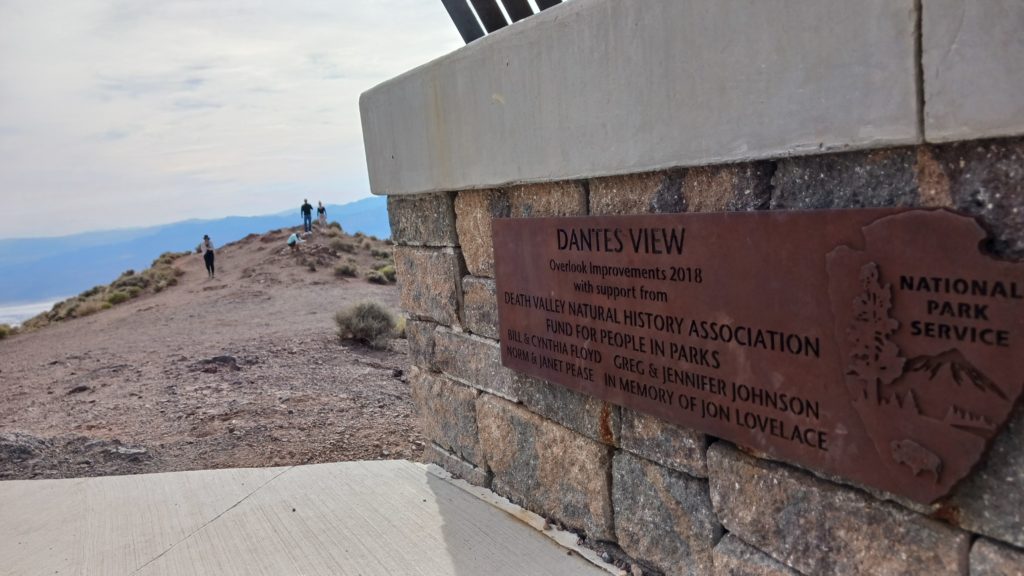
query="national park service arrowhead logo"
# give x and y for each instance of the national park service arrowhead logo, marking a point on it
(931, 337)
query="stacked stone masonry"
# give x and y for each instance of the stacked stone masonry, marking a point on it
(667, 500)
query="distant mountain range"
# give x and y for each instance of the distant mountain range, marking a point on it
(36, 269)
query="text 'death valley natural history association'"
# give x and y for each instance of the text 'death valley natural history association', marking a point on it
(885, 346)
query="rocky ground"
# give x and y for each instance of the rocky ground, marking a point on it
(244, 370)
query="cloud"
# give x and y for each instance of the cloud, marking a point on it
(195, 104)
(127, 113)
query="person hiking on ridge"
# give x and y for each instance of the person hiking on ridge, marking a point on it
(307, 215)
(208, 255)
(321, 214)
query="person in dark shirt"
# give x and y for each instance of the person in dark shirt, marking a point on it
(208, 255)
(307, 215)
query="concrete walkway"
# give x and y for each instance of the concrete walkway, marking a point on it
(352, 518)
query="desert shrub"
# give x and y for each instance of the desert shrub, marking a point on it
(168, 258)
(36, 322)
(375, 277)
(165, 283)
(5, 331)
(159, 277)
(388, 272)
(346, 271)
(374, 238)
(359, 235)
(117, 297)
(138, 281)
(64, 309)
(380, 254)
(366, 322)
(134, 291)
(164, 259)
(91, 307)
(159, 274)
(311, 266)
(92, 291)
(400, 328)
(334, 226)
(342, 246)
(385, 268)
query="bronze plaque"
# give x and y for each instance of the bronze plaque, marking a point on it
(879, 345)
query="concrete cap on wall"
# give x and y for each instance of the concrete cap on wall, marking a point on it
(973, 69)
(603, 87)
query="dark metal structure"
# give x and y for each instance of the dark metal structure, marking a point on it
(473, 17)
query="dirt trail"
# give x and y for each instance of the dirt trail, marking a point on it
(244, 370)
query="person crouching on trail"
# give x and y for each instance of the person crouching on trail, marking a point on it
(293, 241)
(208, 255)
(307, 215)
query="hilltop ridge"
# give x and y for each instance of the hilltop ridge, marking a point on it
(242, 370)
(36, 269)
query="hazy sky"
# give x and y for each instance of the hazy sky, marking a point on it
(118, 113)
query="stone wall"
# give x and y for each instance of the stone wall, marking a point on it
(604, 107)
(657, 498)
